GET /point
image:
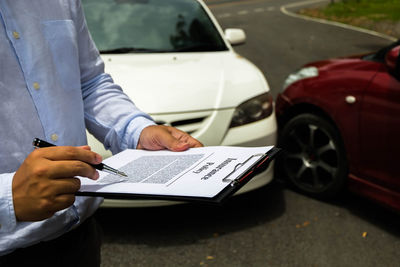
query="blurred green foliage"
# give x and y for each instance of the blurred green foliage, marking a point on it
(376, 10)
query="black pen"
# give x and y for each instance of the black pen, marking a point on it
(101, 167)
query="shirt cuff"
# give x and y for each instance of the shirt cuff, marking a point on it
(143, 122)
(8, 221)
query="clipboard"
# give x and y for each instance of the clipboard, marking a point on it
(232, 182)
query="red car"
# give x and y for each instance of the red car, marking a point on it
(339, 126)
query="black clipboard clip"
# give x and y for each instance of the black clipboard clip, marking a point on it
(239, 165)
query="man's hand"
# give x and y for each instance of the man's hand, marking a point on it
(159, 137)
(45, 183)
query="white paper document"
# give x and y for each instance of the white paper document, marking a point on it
(197, 172)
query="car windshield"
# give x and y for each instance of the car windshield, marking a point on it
(379, 56)
(137, 26)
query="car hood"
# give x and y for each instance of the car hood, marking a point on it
(345, 64)
(182, 82)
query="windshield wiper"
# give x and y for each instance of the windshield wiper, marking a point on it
(126, 50)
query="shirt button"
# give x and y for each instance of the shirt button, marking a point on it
(54, 137)
(16, 35)
(36, 86)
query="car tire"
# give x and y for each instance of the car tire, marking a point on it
(313, 159)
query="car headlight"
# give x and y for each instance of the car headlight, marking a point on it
(252, 110)
(303, 73)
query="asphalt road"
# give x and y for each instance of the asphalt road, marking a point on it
(273, 226)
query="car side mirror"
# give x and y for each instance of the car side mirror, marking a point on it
(235, 36)
(392, 60)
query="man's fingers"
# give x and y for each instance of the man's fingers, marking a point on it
(184, 138)
(61, 202)
(176, 145)
(65, 186)
(85, 147)
(40, 186)
(60, 194)
(166, 137)
(71, 168)
(69, 153)
(171, 142)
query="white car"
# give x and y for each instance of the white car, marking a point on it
(175, 62)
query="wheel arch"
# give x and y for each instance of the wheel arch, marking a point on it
(301, 108)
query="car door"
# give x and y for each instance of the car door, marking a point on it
(380, 131)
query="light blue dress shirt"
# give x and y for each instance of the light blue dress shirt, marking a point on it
(53, 86)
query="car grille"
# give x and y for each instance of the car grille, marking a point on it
(188, 125)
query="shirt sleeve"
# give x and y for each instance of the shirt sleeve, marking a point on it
(7, 214)
(15, 234)
(109, 113)
(25, 234)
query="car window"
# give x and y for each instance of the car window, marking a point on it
(123, 26)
